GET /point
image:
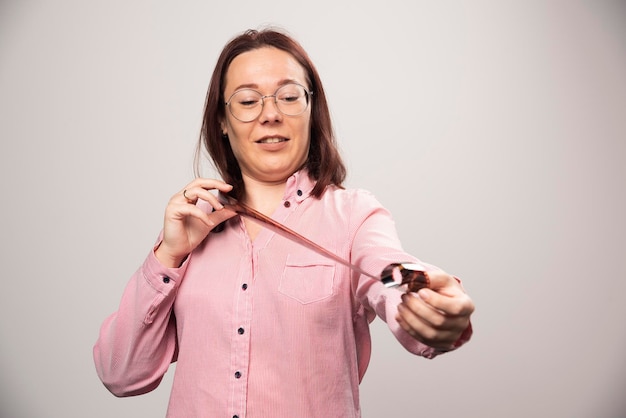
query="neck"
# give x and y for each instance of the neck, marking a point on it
(263, 196)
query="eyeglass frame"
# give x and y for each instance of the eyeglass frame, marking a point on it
(308, 92)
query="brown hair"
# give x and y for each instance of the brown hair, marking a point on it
(324, 162)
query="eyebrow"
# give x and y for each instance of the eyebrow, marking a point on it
(256, 86)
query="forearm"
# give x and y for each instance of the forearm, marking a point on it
(374, 246)
(137, 343)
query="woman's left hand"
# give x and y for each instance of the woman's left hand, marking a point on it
(438, 315)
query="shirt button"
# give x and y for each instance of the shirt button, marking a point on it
(237, 375)
(166, 280)
(299, 192)
(244, 286)
(287, 203)
(240, 331)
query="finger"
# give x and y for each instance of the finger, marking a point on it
(417, 318)
(220, 215)
(435, 316)
(451, 303)
(423, 331)
(444, 283)
(415, 306)
(200, 189)
(210, 220)
(189, 198)
(212, 200)
(209, 184)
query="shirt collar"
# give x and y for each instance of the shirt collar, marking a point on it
(299, 186)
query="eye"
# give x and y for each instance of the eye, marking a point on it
(246, 98)
(248, 102)
(288, 99)
(290, 93)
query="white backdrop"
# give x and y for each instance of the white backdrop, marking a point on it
(495, 131)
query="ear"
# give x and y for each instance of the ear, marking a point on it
(224, 128)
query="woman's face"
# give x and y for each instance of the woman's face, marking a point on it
(272, 147)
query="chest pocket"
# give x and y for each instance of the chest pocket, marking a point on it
(307, 277)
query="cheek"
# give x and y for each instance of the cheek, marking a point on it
(236, 136)
(235, 145)
(305, 128)
(307, 133)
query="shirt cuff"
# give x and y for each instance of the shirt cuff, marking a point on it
(162, 278)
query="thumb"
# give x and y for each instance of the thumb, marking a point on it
(443, 283)
(220, 215)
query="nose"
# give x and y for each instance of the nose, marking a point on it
(269, 110)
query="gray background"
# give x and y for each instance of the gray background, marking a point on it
(495, 131)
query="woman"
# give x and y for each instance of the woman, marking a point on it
(260, 326)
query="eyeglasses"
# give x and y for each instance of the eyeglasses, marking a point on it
(247, 104)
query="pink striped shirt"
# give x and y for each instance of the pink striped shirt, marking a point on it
(263, 328)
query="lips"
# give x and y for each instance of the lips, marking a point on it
(271, 140)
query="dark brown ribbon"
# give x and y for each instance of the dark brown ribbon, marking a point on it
(394, 275)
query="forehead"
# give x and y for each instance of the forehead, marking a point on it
(263, 68)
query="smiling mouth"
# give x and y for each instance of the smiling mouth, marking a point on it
(271, 140)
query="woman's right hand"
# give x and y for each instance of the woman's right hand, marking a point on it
(186, 225)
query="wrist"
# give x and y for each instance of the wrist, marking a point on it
(166, 259)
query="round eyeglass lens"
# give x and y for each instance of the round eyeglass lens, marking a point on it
(246, 104)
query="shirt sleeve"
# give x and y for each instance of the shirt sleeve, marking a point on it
(137, 343)
(376, 244)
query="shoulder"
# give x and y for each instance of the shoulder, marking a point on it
(356, 202)
(348, 195)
